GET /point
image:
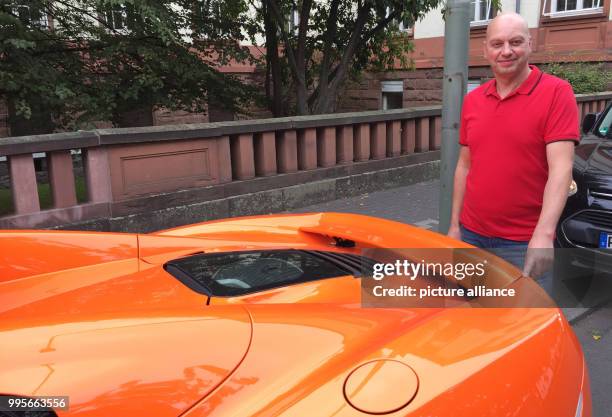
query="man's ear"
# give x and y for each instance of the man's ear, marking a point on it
(484, 49)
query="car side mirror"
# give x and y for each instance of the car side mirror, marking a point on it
(588, 122)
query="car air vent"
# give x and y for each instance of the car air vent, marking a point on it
(597, 218)
(354, 264)
(239, 273)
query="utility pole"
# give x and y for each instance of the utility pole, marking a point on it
(456, 40)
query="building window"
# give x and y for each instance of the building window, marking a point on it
(30, 15)
(473, 84)
(392, 94)
(481, 11)
(562, 8)
(116, 17)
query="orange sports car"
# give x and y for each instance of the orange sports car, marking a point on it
(262, 316)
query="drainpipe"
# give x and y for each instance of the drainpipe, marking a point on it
(518, 7)
(456, 40)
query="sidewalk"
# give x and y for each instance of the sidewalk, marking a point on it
(414, 204)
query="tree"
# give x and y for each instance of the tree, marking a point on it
(322, 44)
(67, 63)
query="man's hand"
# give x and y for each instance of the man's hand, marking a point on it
(454, 232)
(539, 257)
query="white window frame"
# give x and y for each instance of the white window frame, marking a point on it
(579, 11)
(473, 84)
(390, 86)
(111, 25)
(477, 9)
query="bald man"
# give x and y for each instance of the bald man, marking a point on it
(517, 138)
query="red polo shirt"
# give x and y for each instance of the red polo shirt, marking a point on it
(507, 139)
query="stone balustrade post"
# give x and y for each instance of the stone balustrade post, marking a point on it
(307, 149)
(224, 156)
(326, 147)
(97, 174)
(265, 154)
(345, 144)
(23, 184)
(422, 135)
(61, 179)
(436, 136)
(378, 140)
(361, 142)
(394, 142)
(243, 157)
(408, 136)
(287, 151)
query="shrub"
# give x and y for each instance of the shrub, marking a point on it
(585, 77)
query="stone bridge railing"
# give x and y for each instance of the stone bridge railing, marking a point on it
(592, 103)
(126, 171)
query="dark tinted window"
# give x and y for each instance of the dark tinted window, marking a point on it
(239, 273)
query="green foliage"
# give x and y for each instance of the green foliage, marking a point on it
(341, 39)
(102, 58)
(585, 77)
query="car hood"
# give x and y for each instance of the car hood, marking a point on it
(274, 359)
(119, 335)
(301, 358)
(114, 366)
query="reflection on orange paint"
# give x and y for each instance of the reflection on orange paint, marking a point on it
(94, 316)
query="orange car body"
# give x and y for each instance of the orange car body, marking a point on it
(95, 317)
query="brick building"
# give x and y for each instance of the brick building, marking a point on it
(561, 30)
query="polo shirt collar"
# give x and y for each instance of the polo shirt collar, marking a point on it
(525, 88)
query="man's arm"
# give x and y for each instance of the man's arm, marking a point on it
(560, 157)
(461, 172)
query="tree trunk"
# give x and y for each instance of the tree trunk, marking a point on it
(302, 93)
(326, 97)
(274, 89)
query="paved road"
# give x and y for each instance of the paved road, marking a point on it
(418, 204)
(595, 334)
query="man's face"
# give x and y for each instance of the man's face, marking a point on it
(507, 47)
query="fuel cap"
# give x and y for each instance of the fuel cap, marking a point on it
(381, 386)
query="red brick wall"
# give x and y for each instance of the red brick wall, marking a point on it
(167, 117)
(421, 88)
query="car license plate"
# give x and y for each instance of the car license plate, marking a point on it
(605, 240)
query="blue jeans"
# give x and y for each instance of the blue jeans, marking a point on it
(512, 251)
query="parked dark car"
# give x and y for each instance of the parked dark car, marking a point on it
(586, 223)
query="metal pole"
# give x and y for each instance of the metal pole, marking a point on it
(456, 40)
